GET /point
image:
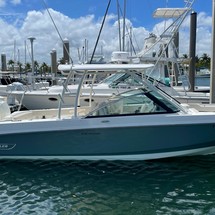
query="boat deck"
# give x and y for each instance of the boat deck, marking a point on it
(203, 107)
(65, 113)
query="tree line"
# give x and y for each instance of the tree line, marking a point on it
(201, 62)
(39, 68)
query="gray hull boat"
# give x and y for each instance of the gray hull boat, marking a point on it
(138, 124)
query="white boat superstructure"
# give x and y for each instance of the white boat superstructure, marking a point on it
(163, 51)
(118, 82)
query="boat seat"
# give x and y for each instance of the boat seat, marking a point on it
(116, 108)
(148, 107)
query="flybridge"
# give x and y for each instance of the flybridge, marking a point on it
(173, 12)
(169, 12)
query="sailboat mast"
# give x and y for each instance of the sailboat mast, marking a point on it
(25, 54)
(100, 31)
(119, 26)
(212, 77)
(123, 36)
(14, 52)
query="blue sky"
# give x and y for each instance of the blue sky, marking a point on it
(80, 19)
(139, 11)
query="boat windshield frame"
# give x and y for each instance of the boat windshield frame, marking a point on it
(118, 79)
(141, 101)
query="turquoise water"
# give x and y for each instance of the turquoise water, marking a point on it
(171, 186)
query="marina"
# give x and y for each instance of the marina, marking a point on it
(85, 112)
(130, 134)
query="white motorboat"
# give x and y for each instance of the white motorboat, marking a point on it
(51, 97)
(138, 124)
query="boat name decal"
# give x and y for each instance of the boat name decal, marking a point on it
(5, 146)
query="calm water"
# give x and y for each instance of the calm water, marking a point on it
(172, 186)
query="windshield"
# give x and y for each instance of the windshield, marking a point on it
(110, 79)
(139, 101)
(122, 78)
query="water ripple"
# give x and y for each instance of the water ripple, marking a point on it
(170, 186)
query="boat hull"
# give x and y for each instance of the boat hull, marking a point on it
(46, 101)
(137, 141)
(38, 99)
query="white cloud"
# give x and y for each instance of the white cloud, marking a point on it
(160, 27)
(39, 25)
(2, 3)
(8, 36)
(204, 20)
(15, 2)
(203, 35)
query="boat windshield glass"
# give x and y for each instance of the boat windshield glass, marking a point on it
(116, 79)
(138, 101)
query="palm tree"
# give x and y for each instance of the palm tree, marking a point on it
(19, 66)
(185, 56)
(44, 68)
(11, 65)
(204, 61)
(27, 67)
(62, 61)
(36, 66)
(197, 59)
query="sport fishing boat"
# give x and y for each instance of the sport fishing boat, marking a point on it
(138, 124)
